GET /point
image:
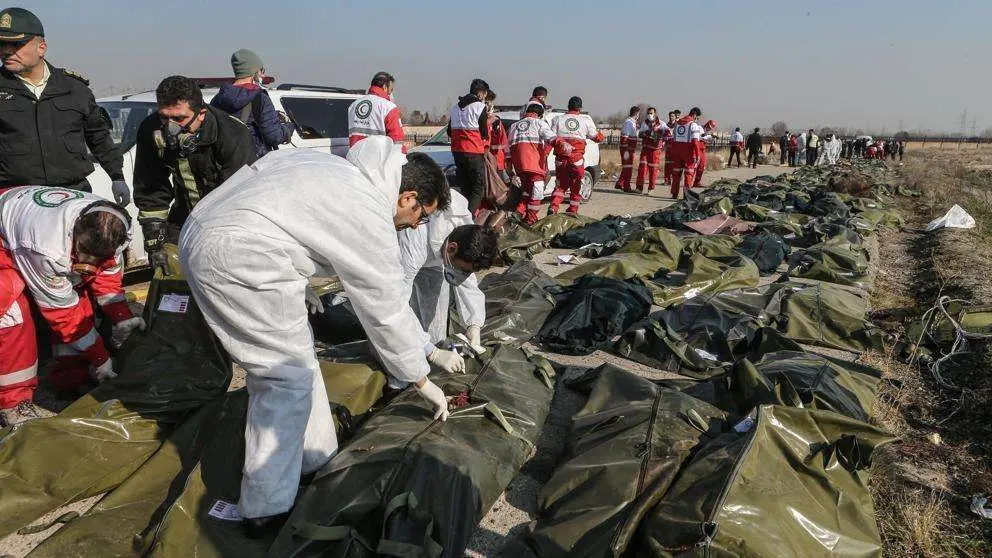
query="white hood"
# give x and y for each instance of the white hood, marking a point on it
(381, 161)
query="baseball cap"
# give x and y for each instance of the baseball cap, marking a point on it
(18, 24)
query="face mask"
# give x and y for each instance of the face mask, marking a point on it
(650, 118)
(180, 138)
(452, 274)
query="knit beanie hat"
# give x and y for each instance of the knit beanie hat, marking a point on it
(245, 63)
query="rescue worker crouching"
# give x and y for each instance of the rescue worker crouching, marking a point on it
(248, 253)
(183, 152)
(441, 258)
(63, 249)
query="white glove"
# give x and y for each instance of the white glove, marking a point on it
(449, 361)
(122, 330)
(314, 305)
(433, 395)
(122, 194)
(474, 334)
(103, 372)
(565, 147)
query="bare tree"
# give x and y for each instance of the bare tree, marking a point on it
(779, 128)
(616, 119)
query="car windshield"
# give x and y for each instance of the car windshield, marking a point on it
(126, 117)
(440, 138)
(318, 117)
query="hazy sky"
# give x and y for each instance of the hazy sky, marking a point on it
(859, 64)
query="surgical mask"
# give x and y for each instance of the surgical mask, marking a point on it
(651, 118)
(452, 274)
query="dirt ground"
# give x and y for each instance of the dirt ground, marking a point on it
(498, 533)
(923, 486)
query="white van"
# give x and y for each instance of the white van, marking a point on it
(320, 114)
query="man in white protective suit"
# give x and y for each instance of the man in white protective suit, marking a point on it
(247, 252)
(442, 257)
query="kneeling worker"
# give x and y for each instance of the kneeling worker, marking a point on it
(63, 248)
(248, 251)
(444, 256)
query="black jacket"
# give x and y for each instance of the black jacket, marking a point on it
(161, 177)
(43, 141)
(753, 142)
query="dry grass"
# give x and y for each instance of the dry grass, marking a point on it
(922, 486)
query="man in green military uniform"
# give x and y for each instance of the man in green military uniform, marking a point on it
(48, 116)
(184, 151)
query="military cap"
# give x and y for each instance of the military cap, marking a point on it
(18, 24)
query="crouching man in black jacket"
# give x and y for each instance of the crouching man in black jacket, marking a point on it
(183, 152)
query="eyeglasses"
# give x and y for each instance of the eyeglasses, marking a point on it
(424, 216)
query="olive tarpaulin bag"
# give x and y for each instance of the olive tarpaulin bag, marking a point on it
(626, 446)
(784, 482)
(183, 500)
(165, 374)
(408, 485)
(517, 303)
(517, 243)
(592, 313)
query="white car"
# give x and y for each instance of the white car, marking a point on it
(320, 114)
(438, 148)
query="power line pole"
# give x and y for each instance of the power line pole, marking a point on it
(974, 126)
(964, 122)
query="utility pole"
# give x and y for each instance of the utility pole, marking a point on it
(974, 127)
(963, 122)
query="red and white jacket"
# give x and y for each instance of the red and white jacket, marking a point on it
(628, 133)
(499, 145)
(468, 126)
(652, 134)
(688, 131)
(575, 128)
(36, 225)
(375, 114)
(737, 139)
(531, 139)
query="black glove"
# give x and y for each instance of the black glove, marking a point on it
(156, 235)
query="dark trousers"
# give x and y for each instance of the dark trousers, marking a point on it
(752, 159)
(811, 154)
(470, 173)
(781, 158)
(792, 158)
(734, 150)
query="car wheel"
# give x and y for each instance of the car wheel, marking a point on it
(587, 184)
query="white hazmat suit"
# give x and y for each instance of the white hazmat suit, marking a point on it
(248, 250)
(421, 252)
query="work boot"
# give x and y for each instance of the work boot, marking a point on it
(22, 412)
(261, 527)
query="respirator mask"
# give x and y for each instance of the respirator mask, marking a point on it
(178, 138)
